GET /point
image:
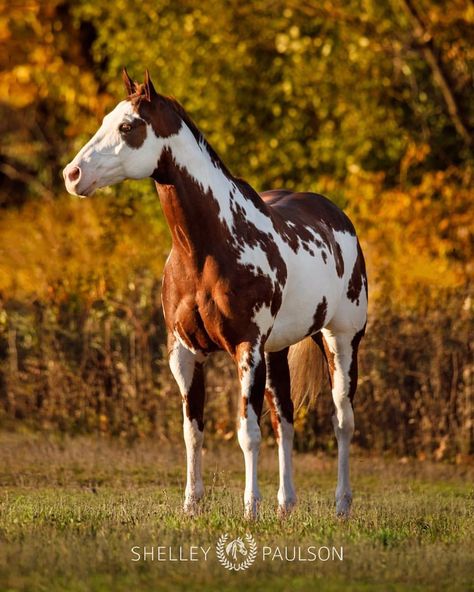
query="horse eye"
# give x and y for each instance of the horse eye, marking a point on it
(124, 128)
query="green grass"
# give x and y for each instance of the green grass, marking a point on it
(70, 511)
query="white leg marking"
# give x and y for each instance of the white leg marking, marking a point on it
(285, 434)
(248, 433)
(343, 420)
(286, 492)
(182, 363)
(249, 439)
(182, 366)
(193, 438)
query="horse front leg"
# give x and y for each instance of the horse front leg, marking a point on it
(188, 372)
(251, 366)
(278, 395)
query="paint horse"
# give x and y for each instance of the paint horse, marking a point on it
(249, 274)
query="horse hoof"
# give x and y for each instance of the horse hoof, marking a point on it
(192, 507)
(343, 506)
(250, 514)
(286, 508)
(251, 509)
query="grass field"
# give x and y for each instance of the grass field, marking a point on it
(71, 509)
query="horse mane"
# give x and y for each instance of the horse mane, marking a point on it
(242, 184)
(141, 94)
(200, 138)
(175, 105)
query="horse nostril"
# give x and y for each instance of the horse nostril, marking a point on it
(74, 174)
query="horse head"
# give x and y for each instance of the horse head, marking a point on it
(129, 142)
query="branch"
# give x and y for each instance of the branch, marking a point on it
(15, 175)
(426, 44)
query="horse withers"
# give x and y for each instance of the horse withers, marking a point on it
(273, 279)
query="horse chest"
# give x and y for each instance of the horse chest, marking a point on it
(184, 306)
(210, 308)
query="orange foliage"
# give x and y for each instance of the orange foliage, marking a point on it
(417, 239)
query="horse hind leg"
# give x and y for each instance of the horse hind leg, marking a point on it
(278, 395)
(341, 349)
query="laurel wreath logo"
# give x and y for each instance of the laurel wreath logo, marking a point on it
(227, 553)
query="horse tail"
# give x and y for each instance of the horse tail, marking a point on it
(306, 372)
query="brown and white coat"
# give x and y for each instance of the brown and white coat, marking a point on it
(249, 274)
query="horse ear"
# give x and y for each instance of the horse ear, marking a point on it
(129, 83)
(149, 88)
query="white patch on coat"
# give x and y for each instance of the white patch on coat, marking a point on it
(107, 159)
(193, 438)
(249, 437)
(248, 432)
(286, 492)
(263, 318)
(285, 434)
(182, 364)
(247, 363)
(182, 361)
(340, 344)
(183, 343)
(309, 278)
(256, 257)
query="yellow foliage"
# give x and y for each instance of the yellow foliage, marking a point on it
(65, 246)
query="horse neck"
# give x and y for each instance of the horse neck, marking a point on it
(205, 196)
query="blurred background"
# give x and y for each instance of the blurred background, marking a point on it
(369, 102)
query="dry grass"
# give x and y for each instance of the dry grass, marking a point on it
(71, 509)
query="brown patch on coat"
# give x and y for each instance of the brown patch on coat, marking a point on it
(194, 400)
(247, 362)
(208, 296)
(182, 239)
(278, 384)
(137, 135)
(244, 403)
(158, 111)
(208, 292)
(257, 388)
(309, 212)
(319, 317)
(358, 277)
(274, 415)
(353, 370)
(327, 354)
(339, 259)
(318, 207)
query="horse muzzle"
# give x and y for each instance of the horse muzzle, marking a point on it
(75, 182)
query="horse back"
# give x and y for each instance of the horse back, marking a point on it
(306, 208)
